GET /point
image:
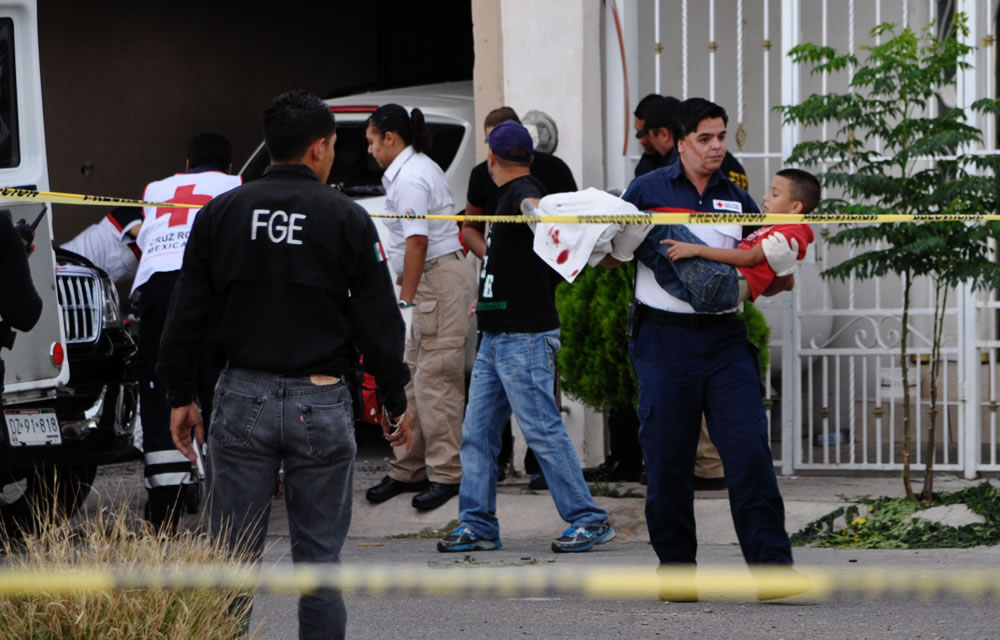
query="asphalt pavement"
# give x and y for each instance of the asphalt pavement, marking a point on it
(395, 534)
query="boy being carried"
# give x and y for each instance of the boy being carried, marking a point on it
(715, 280)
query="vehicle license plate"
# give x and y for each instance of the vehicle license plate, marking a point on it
(33, 427)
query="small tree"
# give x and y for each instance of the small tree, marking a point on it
(924, 167)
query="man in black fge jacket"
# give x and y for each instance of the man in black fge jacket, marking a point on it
(20, 305)
(287, 276)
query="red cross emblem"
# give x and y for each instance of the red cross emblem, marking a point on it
(183, 195)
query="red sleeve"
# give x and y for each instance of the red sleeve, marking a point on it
(801, 232)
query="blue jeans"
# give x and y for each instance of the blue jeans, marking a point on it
(516, 372)
(687, 366)
(708, 286)
(261, 420)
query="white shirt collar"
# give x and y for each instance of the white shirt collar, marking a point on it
(393, 169)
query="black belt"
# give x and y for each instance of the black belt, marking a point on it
(688, 320)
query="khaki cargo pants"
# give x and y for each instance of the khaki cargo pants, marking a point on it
(435, 353)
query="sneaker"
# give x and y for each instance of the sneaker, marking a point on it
(464, 539)
(583, 538)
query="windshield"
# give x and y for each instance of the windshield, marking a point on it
(354, 171)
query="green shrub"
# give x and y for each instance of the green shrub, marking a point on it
(594, 364)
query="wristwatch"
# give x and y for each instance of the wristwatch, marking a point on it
(403, 304)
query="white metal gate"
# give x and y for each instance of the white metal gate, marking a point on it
(834, 399)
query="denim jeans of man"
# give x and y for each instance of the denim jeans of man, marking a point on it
(690, 366)
(708, 286)
(515, 372)
(259, 421)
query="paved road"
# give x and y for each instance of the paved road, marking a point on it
(529, 522)
(495, 618)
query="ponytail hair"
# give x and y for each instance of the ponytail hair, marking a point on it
(410, 127)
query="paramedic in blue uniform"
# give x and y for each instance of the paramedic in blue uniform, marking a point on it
(287, 276)
(689, 363)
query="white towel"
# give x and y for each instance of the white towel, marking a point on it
(567, 248)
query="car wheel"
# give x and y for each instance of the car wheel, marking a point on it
(43, 495)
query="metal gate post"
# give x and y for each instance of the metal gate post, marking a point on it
(968, 335)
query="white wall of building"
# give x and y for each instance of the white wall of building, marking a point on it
(546, 56)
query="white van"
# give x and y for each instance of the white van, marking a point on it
(449, 111)
(57, 428)
(37, 364)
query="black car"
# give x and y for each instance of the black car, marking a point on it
(96, 409)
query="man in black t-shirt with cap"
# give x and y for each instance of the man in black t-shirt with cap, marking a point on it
(515, 371)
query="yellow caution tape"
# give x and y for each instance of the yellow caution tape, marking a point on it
(693, 217)
(710, 218)
(705, 583)
(30, 195)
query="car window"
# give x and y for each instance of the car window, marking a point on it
(354, 171)
(10, 147)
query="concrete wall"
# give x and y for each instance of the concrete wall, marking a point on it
(547, 56)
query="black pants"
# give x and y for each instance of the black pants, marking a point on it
(166, 469)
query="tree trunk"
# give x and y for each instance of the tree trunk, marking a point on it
(907, 409)
(940, 301)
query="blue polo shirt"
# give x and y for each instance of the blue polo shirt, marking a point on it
(669, 189)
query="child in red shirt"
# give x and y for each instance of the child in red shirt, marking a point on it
(744, 273)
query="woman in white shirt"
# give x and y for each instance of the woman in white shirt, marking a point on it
(438, 283)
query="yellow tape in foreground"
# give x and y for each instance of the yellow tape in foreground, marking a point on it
(711, 218)
(28, 195)
(517, 581)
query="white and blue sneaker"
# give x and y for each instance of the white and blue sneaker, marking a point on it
(583, 538)
(464, 539)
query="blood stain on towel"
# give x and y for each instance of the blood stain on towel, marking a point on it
(563, 257)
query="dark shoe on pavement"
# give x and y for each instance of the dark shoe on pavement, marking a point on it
(600, 472)
(390, 488)
(610, 471)
(538, 483)
(463, 539)
(709, 484)
(577, 539)
(436, 495)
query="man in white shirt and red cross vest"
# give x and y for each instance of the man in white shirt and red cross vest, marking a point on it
(162, 240)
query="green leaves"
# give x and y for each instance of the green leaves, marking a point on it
(888, 155)
(880, 523)
(897, 148)
(593, 363)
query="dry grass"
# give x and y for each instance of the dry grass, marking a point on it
(106, 539)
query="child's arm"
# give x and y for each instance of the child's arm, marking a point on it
(737, 257)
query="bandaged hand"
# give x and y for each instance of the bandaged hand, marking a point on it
(624, 244)
(782, 255)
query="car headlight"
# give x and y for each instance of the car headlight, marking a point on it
(112, 307)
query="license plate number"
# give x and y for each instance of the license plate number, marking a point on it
(33, 427)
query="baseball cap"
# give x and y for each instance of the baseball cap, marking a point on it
(661, 113)
(511, 141)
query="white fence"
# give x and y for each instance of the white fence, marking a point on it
(835, 397)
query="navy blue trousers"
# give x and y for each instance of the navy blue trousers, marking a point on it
(687, 365)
